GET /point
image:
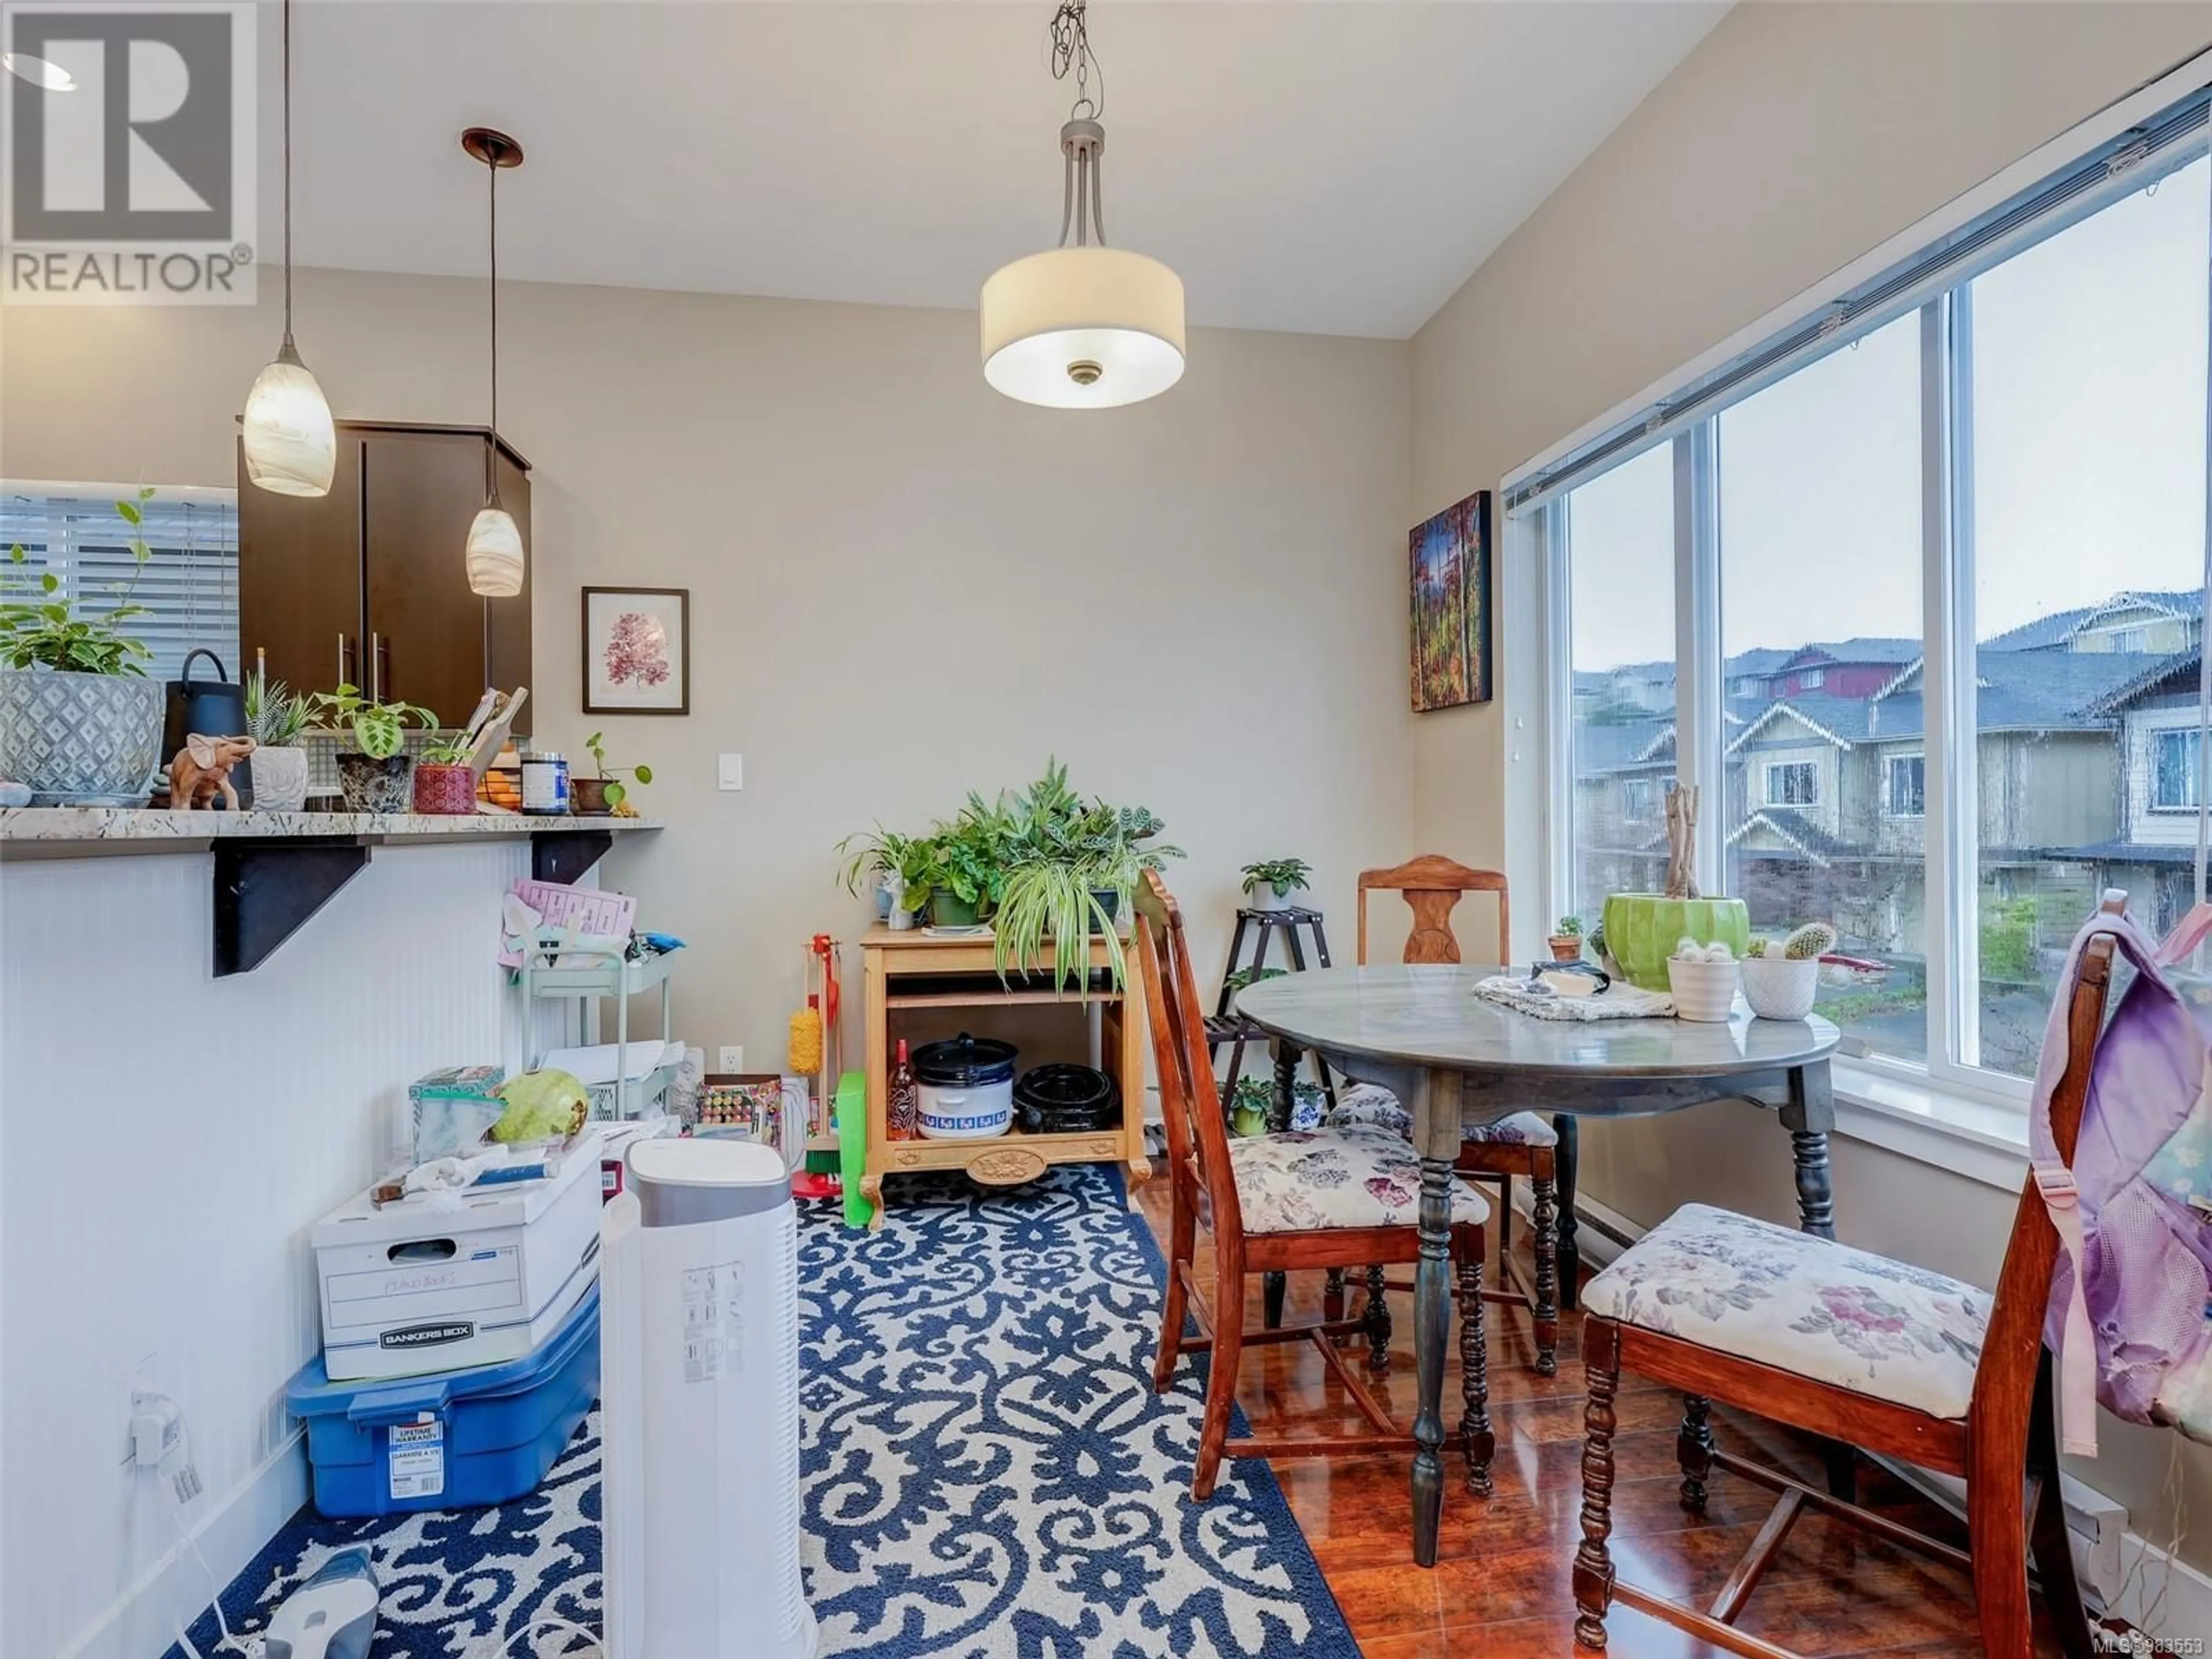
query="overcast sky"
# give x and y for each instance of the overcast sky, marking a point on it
(2089, 389)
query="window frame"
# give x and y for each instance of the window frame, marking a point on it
(2182, 737)
(2132, 144)
(1889, 806)
(1812, 770)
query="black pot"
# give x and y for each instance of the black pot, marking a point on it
(1067, 1100)
(1110, 902)
(370, 785)
(964, 1063)
(212, 708)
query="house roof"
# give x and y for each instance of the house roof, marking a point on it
(2124, 851)
(1859, 648)
(1611, 745)
(2027, 690)
(2156, 673)
(1795, 828)
(2062, 625)
(1841, 720)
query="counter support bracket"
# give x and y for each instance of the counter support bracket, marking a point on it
(265, 888)
(562, 855)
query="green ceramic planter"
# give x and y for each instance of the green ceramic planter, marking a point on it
(1642, 929)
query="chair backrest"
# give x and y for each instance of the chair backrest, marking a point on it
(1433, 885)
(2004, 1381)
(1190, 1099)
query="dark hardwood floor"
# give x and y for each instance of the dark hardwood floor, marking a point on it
(1500, 1589)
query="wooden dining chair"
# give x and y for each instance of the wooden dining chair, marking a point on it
(1903, 1363)
(1278, 1203)
(1523, 1145)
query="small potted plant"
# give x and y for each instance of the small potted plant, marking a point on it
(1703, 979)
(604, 792)
(80, 723)
(1566, 939)
(1269, 883)
(1251, 1103)
(445, 783)
(879, 856)
(275, 717)
(1780, 980)
(375, 775)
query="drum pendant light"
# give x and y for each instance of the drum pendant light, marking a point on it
(495, 548)
(290, 445)
(1087, 326)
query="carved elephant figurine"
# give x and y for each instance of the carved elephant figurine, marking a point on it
(201, 770)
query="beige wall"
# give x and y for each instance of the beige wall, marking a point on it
(1793, 140)
(902, 583)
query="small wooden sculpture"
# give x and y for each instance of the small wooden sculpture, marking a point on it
(1681, 840)
(201, 770)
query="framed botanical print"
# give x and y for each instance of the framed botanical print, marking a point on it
(637, 651)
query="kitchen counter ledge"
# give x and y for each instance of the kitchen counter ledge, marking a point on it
(24, 829)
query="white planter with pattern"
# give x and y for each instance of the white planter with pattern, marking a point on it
(280, 779)
(80, 739)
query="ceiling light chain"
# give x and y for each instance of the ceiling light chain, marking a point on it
(1070, 41)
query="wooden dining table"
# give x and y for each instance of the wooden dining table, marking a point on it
(1457, 1061)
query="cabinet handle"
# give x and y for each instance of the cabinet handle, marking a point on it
(342, 679)
(375, 667)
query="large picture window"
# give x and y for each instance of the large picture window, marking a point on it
(1942, 655)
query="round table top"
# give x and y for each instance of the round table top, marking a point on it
(1430, 1017)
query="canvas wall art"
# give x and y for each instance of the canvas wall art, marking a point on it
(637, 651)
(1449, 575)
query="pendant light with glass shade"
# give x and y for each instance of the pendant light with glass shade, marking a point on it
(291, 448)
(1088, 327)
(495, 547)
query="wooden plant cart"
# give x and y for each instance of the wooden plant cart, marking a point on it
(905, 970)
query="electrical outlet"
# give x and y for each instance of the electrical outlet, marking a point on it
(732, 1058)
(140, 1379)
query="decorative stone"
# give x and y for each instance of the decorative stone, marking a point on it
(80, 739)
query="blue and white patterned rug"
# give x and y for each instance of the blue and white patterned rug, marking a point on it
(988, 1473)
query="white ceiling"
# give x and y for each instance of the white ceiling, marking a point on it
(1335, 168)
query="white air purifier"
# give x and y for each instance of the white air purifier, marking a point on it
(699, 1425)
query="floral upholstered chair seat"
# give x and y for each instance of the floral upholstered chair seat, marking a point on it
(1356, 1177)
(1806, 1305)
(1370, 1105)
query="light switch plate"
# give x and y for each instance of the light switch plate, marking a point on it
(730, 772)
(730, 1057)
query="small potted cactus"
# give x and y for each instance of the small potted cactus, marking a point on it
(1780, 980)
(1703, 980)
(1566, 939)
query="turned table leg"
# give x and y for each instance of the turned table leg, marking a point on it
(1275, 1285)
(1567, 1155)
(1437, 1133)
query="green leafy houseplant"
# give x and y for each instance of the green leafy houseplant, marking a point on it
(380, 729)
(1283, 876)
(48, 632)
(615, 791)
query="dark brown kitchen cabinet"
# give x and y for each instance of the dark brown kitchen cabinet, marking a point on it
(368, 583)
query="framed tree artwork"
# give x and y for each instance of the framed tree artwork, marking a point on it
(637, 651)
(1448, 561)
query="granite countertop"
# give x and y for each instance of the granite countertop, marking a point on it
(112, 824)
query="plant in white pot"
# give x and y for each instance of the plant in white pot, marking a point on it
(1780, 980)
(275, 717)
(1269, 883)
(376, 775)
(1703, 979)
(80, 723)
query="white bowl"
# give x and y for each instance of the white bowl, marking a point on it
(1777, 987)
(1703, 991)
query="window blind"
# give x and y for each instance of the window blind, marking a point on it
(2132, 161)
(189, 586)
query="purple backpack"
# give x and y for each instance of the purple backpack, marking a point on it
(2130, 1289)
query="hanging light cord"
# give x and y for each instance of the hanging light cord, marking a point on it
(1070, 42)
(491, 450)
(288, 173)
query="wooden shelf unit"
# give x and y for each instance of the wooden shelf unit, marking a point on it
(887, 959)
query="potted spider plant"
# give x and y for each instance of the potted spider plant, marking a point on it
(1269, 883)
(80, 723)
(275, 717)
(604, 792)
(1072, 866)
(375, 775)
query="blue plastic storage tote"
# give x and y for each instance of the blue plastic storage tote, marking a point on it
(453, 1439)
